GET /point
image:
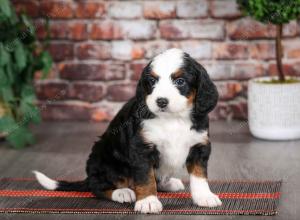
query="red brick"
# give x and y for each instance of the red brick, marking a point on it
(248, 29)
(292, 49)
(121, 92)
(126, 10)
(183, 29)
(61, 51)
(152, 48)
(126, 50)
(137, 69)
(105, 30)
(56, 9)
(230, 51)
(159, 9)
(137, 52)
(86, 91)
(102, 113)
(112, 30)
(198, 50)
(231, 71)
(192, 9)
(81, 71)
(30, 7)
(225, 9)
(138, 30)
(221, 111)
(51, 75)
(235, 109)
(90, 9)
(100, 50)
(228, 90)
(247, 70)
(69, 110)
(219, 71)
(262, 51)
(291, 69)
(239, 109)
(78, 31)
(57, 30)
(51, 90)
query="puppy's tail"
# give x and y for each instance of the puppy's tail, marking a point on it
(50, 184)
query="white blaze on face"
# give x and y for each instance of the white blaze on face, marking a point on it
(164, 65)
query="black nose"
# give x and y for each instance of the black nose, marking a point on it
(162, 102)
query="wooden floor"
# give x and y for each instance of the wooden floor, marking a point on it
(62, 148)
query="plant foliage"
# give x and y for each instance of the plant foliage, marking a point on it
(271, 11)
(20, 57)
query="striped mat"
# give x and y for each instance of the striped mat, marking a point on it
(238, 197)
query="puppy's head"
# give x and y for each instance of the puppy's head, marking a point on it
(174, 83)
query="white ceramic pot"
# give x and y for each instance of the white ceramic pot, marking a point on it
(274, 110)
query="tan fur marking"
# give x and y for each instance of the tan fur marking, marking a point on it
(196, 170)
(154, 74)
(125, 183)
(108, 193)
(148, 188)
(191, 97)
(177, 74)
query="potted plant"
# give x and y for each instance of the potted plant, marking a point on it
(20, 57)
(274, 102)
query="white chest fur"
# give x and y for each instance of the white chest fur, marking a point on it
(173, 138)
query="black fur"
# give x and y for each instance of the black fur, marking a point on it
(199, 155)
(121, 151)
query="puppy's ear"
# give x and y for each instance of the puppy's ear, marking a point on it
(141, 86)
(207, 93)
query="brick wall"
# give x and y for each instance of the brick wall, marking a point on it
(100, 47)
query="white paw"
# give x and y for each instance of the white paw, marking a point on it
(207, 200)
(171, 185)
(123, 195)
(150, 204)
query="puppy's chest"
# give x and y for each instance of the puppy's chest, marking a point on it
(173, 138)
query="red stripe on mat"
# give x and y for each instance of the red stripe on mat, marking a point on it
(45, 193)
(105, 210)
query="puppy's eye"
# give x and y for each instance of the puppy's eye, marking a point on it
(179, 82)
(152, 80)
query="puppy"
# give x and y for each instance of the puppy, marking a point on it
(160, 132)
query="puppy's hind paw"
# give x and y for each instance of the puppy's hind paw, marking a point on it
(150, 204)
(171, 185)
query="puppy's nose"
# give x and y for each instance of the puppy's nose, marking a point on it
(162, 102)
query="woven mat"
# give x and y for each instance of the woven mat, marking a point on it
(238, 197)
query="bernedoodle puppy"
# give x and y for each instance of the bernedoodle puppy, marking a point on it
(160, 132)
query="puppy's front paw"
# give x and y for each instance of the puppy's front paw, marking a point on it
(123, 195)
(150, 204)
(207, 200)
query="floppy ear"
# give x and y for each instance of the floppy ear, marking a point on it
(207, 93)
(142, 110)
(141, 87)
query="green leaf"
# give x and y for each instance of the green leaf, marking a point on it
(7, 93)
(7, 123)
(46, 61)
(3, 78)
(4, 55)
(20, 137)
(9, 74)
(20, 56)
(5, 7)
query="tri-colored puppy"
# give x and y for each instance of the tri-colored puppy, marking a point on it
(158, 133)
